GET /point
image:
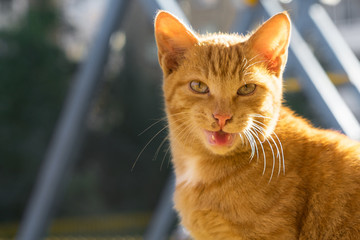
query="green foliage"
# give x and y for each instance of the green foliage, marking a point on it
(34, 76)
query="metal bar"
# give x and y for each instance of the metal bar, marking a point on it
(336, 44)
(316, 84)
(68, 133)
(164, 216)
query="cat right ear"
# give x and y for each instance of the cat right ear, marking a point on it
(173, 39)
(271, 41)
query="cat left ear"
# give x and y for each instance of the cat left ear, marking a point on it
(173, 39)
(271, 41)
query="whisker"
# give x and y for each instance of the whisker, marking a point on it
(280, 144)
(277, 153)
(256, 147)
(185, 129)
(180, 135)
(244, 64)
(263, 150)
(158, 121)
(162, 162)
(136, 160)
(261, 129)
(242, 139)
(158, 149)
(258, 115)
(251, 59)
(249, 66)
(282, 152)
(250, 139)
(273, 166)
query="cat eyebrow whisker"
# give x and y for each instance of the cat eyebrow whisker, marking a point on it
(249, 61)
(252, 64)
(244, 64)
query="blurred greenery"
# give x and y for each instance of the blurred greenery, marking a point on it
(34, 78)
(34, 74)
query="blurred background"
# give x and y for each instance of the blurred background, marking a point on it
(103, 195)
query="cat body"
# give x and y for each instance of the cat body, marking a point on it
(317, 198)
(246, 166)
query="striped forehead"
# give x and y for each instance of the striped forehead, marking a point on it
(224, 61)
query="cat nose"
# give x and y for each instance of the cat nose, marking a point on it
(222, 119)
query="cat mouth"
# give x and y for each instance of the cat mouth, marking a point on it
(220, 138)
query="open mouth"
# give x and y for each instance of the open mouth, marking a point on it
(220, 138)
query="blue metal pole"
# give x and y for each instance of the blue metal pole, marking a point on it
(333, 110)
(68, 133)
(342, 55)
(164, 215)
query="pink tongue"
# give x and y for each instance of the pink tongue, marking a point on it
(220, 138)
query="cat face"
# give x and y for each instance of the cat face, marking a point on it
(219, 89)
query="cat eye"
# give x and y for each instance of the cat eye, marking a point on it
(246, 89)
(199, 87)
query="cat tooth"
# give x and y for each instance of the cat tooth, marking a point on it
(229, 137)
(213, 137)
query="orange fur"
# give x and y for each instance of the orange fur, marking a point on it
(306, 187)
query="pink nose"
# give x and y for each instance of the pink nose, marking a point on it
(222, 119)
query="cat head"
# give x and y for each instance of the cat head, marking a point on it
(220, 89)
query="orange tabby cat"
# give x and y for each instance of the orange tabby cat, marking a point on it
(247, 167)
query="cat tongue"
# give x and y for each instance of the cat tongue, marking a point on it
(220, 138)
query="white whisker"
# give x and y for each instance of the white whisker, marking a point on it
(158, 149)
(263, 150)
(162, 162)
(277, 153)
(256, 147)
(136, 160)
(282, 152)
(153, 124)
(247, 135)
(273, 163)
(252, 64)
(258, 115)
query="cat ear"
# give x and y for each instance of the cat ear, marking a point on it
(173, 39)
(271, 41)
